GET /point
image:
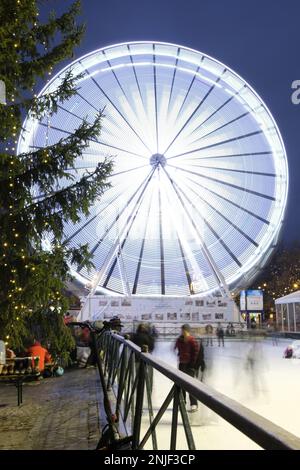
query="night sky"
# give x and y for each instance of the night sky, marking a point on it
(258, 39)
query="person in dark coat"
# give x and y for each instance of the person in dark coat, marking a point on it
(143, 337)
(220, 335)
(200, 365)
(188, 350)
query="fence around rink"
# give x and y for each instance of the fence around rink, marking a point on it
(126, 371)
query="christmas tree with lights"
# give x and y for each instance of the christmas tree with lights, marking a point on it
(32, 279)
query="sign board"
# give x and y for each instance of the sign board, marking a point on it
(243, 300)
(251, 300)
(255, 300)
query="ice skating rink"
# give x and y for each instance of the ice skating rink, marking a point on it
(252, 372)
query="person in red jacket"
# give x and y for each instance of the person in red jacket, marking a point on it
(188, 350)
(37, 350)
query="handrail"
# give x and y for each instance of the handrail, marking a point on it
(262, 431)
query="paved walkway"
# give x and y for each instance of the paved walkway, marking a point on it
(57, 413)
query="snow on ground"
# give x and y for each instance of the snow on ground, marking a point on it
(267, 384)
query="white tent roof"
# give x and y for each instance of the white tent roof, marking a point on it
(289, 299)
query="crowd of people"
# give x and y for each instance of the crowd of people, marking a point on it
(195, 355)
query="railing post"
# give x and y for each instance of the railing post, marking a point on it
(122, 380)
(175, 418)
(149, 386)
(139, 401)
(107, 355)
(186, 423)
(157, 418)
(130, 388)
(112, 362)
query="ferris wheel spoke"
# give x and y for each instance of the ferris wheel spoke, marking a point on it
(234, 170)
(118, 111)
(119, 82)
(235, 155)
(141, 254)
(90, 167)
(114, 74)
(184, 257)
(105, 144)
(73, 114)
(218, 109)
(59, 129)
(94, 140)
(226, 183)
(155, 98)
(93, 217)
(189, 89)
(97, 141)
(136, 78)
(173, 78)
(161, 241)
(218, 237)
(223, 216)
(44, 195)
(110, 176)
(119, 253)
(194, 112)
(238, 206)
(87, 101)
(213, 231)
(216, 144)
(129, 171)
(131, 219)
(222, 127)
(185, 265)
(144, 183)
(213, 266)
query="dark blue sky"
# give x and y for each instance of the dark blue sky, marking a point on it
(259, 39)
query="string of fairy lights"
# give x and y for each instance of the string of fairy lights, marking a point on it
(14, 247)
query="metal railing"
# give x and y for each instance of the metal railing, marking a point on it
(127, 372)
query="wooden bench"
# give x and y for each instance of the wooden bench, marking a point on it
(20, 378)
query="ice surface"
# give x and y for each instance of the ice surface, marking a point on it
(253, 373)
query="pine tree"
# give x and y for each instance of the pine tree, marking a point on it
(32, 279)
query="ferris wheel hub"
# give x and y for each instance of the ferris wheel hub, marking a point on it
(157, 159)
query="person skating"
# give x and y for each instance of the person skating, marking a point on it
(188, 350)
(220, 335)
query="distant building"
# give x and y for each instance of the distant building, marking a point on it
(288, 312)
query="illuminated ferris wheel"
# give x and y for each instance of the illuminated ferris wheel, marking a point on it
(200, 177)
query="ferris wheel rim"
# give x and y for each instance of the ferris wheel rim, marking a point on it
(283, 202)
